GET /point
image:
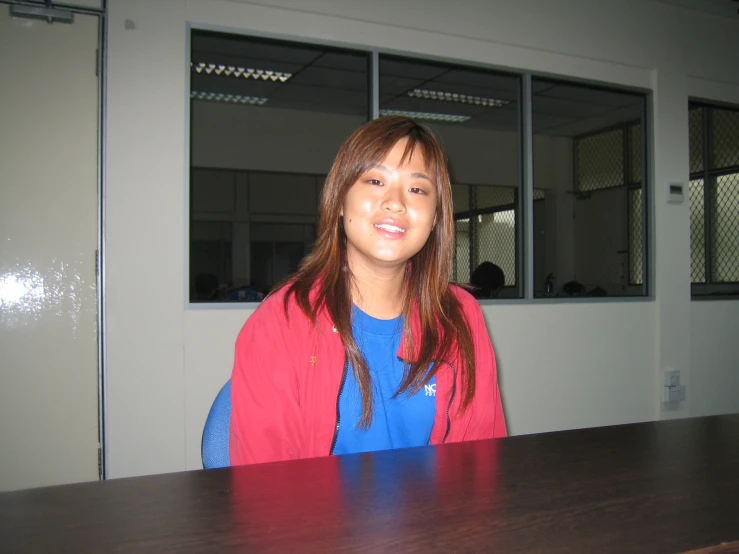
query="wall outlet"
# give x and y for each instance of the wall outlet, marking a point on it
(671, 378)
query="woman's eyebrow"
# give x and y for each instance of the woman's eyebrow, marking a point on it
(386, 169)
(421, 176)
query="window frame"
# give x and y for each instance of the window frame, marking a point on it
(710, 289)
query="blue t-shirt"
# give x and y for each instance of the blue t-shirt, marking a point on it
(398, 422)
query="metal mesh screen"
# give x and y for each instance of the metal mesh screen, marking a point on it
(461, 201)
(697, 232)
(635, 149)
(599, 161)
(636, 237)
(497, 242)
(726, 229)
(695, 123)
(725, 138)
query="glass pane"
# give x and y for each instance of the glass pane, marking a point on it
(497, 239)
(697, 232)
(272, 262)
(591, 224)
(491, 197)
(726, 229)
(725, 138)
(541, 247)
(475, 113)
(210, 260)
(267, 118)
(461, 198)
(695, 122)
(275, 252)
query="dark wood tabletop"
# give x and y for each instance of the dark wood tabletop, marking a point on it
(670, 486)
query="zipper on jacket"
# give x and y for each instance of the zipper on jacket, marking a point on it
(338, 415)
(449, 406)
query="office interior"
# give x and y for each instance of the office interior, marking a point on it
(113, 355)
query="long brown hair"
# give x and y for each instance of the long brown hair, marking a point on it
(323, 280)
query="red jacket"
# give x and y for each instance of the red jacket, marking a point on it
(287, 375)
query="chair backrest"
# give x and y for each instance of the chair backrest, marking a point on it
(214, 447)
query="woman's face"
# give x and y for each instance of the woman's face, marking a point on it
(389, 211)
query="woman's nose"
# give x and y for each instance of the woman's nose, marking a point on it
(393, 200)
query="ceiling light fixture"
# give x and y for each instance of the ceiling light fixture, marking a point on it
(449, 118)
(245, 72)
(230, 98)
(455, 97)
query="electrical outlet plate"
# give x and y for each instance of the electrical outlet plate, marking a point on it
(675, 394)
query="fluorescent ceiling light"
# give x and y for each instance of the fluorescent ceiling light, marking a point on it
(245, 72)
(232, 98)
(454, 97)
(449, 118)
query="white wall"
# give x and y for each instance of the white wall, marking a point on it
(568, 366)
(562, 365)
(714, 357)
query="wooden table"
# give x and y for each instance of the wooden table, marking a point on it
(669, 486)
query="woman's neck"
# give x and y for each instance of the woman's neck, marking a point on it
(379, 293)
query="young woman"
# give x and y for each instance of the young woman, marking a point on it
(368, 346)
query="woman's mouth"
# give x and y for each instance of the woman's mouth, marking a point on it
(389, 228)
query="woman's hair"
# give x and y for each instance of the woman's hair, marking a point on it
(323, 279)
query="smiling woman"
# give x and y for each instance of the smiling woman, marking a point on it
(369, 346)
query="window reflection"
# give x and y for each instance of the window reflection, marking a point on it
(267, 118)
(475, 113)
(589, 231)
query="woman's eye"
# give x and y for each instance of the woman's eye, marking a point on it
(374, 181)
(416, 190)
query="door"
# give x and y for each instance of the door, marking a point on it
(48, 239)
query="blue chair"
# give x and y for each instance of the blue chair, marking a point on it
(214, 447)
